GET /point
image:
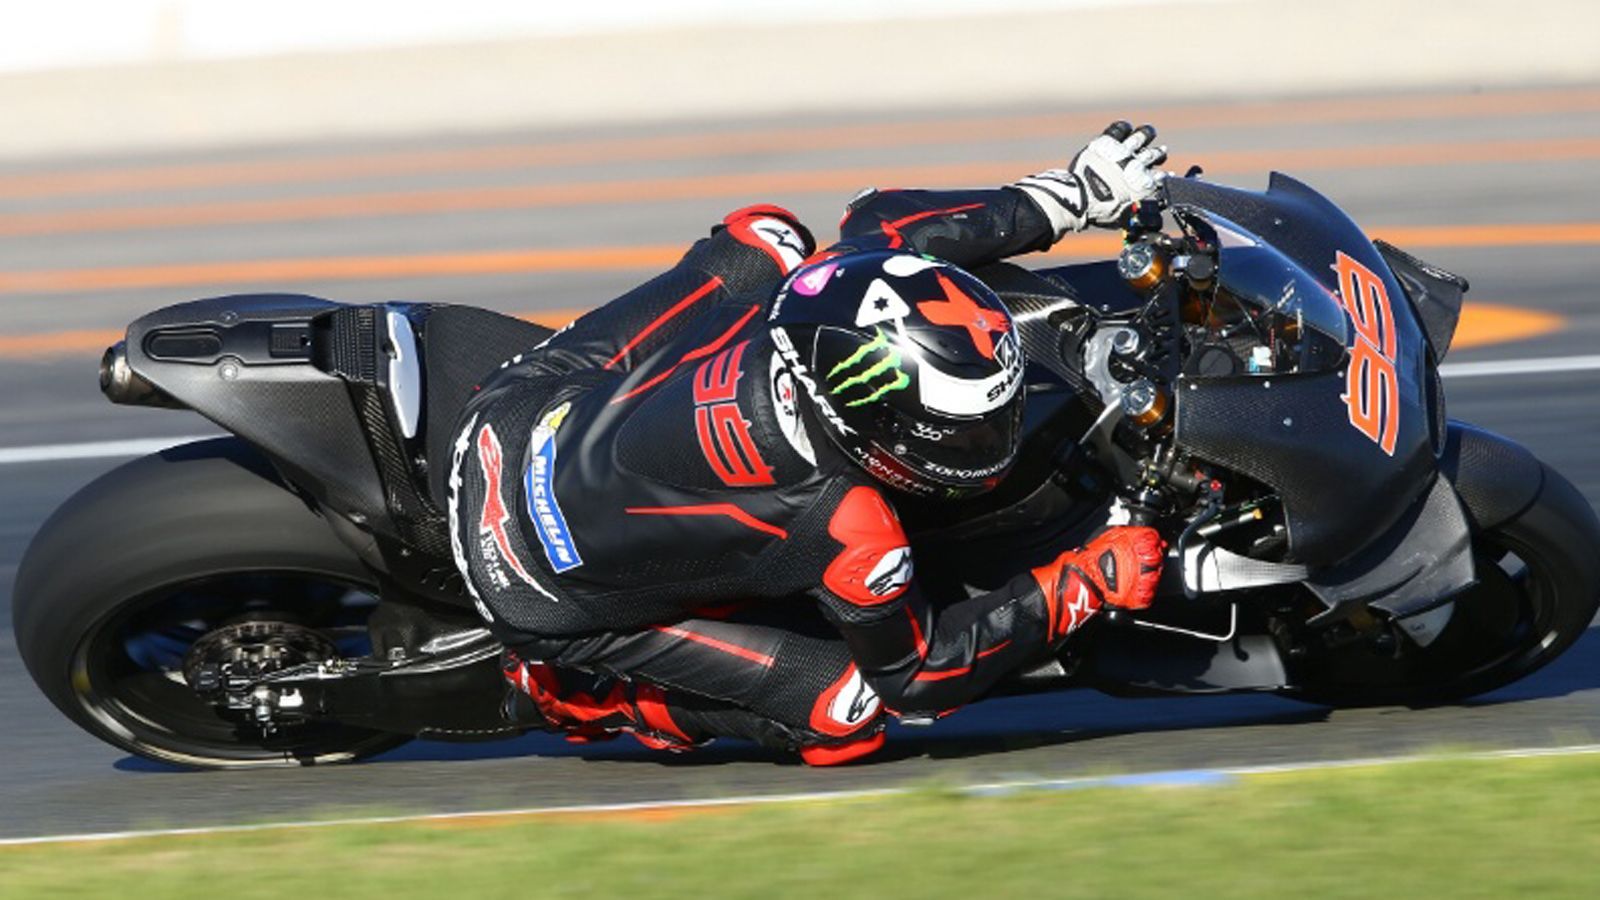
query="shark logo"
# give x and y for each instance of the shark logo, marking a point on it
(872, 371)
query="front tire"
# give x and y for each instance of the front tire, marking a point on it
(133, 569)
(1538, 590)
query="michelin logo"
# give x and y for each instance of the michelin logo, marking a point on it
(539, 486)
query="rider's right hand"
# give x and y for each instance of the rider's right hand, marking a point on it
(1115, 170)
(1120, 568)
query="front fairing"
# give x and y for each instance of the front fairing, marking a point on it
(1347, 448)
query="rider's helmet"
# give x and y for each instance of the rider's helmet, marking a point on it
(914, 365)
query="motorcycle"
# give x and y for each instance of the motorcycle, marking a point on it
(1251, 375)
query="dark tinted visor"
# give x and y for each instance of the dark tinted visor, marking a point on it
(957, 454)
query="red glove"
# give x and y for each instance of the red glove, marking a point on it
(1120, 567)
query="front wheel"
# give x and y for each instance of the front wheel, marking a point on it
(1537, 592)
(173, 560)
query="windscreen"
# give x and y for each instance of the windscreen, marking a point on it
(1275, 316)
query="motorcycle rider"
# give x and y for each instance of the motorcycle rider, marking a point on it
(642, 505)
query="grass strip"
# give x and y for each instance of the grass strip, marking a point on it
(1458, 828)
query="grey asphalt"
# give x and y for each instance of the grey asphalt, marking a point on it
(54, 778)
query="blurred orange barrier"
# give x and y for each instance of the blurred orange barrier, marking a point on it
(57, 343)
(717, 144)
(272, 273)
(1481, 324)
(1514, 235)
(749, 187)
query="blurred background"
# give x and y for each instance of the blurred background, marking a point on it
(540, 158)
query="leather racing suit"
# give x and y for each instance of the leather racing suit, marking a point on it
(667, 542)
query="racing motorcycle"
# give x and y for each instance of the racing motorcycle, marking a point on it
(1252, 376)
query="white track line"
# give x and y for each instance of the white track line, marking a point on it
(10, 456)
(1521, 366)
(1176, 776)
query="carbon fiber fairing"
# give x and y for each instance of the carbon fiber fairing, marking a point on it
(1344, 480)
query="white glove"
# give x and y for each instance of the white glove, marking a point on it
(1102, 180)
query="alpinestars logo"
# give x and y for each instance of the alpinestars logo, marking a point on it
(870, 372)
(891, 574)
(1076, 611)
(494, 542)
(855, 703)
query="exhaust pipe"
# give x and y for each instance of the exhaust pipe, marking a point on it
(122, 385)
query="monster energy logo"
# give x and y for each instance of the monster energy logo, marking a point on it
(876, 378)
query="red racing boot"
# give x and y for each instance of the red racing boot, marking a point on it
(626, 707)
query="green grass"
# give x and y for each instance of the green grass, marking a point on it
(1451, 828)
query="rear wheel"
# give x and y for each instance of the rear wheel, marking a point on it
(172, 563)
(1539, 586)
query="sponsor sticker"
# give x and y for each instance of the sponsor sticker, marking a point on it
(891, 574)
(494, 543)
(855, 703)
(869, 373)
(790, 247)
(786, 401)
(881, 304)
(791, 359)
(955, 396)
(550, 524)
(811, 282)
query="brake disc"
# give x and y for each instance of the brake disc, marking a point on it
(245, 652)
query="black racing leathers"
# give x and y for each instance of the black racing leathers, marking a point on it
(646, 495)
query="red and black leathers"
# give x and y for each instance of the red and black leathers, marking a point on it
(644, 496)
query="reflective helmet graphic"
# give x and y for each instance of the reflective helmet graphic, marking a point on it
(914, 366)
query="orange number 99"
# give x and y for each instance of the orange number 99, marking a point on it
(1372, 388)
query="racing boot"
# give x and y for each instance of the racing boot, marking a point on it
(1120, 568)
(587, 709)
(840, 752)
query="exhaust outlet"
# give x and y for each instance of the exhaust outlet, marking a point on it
(122, 385)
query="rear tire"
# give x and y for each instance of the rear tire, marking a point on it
(1539, 587)
(135, 566)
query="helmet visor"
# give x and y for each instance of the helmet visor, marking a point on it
(969, 454)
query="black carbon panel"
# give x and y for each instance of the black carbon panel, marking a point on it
(1434, 293)
(1292, 433)
(1294, 218)
(1494, 477)
(462, 345)
(352, 345)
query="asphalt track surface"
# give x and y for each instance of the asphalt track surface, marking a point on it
(1503, 187)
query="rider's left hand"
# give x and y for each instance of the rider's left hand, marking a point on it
(1115, 170)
